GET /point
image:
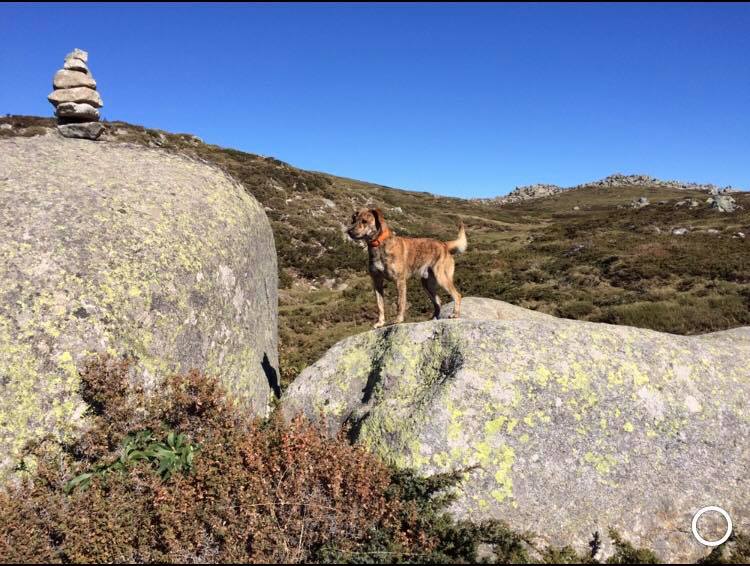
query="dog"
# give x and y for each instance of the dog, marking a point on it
(396, 259)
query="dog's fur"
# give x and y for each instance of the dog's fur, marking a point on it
(396, 259)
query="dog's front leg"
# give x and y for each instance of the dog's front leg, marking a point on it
(401, 287)
(378, 285)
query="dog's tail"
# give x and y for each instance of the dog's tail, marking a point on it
(459, 244)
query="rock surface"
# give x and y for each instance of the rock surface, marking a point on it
(528, 192)
(82, 130)
(70, 79)
(83, 112)
(79, 54)
(81, 95)
(114, 248)
(480, 308)
(722, 203)
(574, 426)
(640, 202)
(74, 64)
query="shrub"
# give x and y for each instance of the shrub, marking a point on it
(255, 492)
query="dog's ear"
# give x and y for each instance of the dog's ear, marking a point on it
(379, 218)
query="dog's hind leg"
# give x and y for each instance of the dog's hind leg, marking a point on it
(378, 284)
(444, 275)
(429, 283)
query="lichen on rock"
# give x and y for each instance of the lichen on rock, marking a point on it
(566, 427)
(130, 251)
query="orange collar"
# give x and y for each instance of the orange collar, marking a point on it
(385, 233)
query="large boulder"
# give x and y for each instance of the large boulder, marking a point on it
(131, 251)
(573, 427)
(722, 203)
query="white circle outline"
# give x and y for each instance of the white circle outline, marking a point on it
(723, 539)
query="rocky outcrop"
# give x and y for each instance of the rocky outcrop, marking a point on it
(690, 203)
(722, 203)
(620, 180)
(75, 98)
(566, 427)
(529, 192)
(640, 202)
(114, 248)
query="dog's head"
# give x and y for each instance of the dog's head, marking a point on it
(366, 224)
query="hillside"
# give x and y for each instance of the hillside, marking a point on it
(603, 261)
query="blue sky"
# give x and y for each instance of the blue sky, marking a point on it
(457, 99)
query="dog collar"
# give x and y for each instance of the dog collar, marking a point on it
(385, 233)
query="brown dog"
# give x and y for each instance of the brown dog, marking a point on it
(396, 259)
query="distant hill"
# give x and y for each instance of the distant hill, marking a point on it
(542, 190)
(580, 253)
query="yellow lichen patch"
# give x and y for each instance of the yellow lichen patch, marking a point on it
(23, 410)
(543, 417)
(615, 378)
(504, 464)
(602, 463)
(563, 381)
(495, 425)
(454, 427)
(628, 427)
(418, 459)
(482, 453)
(512, 424)
(543, 376)
(590, 399)
(441, 460)
(581, 381)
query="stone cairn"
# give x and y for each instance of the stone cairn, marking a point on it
(75, 98)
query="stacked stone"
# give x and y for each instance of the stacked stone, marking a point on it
(75, 98)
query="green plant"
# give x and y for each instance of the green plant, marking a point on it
(175, 454)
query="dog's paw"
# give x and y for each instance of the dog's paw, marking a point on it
(454, 315)
(379, 324)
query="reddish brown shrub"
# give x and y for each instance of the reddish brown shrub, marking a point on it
(258, 492)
